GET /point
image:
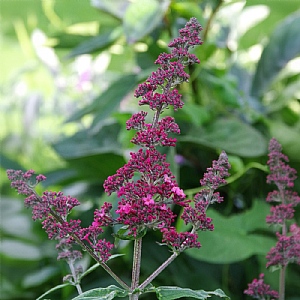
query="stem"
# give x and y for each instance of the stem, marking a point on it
(158, 271)
(283, 269)
(137, 252)
(208, 24)
(282, 283)
(75, 277)
(156, 116)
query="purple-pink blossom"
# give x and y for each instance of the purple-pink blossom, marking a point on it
(257, 289)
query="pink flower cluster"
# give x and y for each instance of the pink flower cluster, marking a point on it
(257, 289)
(287, 248)
(53, 208)
(145, 186)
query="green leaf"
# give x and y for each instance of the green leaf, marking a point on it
(94, 155)
(83, 143)
(235, 238)
(288, 137)
(108, 293)
(231, 135)
(109, 100)
(141, 17)
(7, 163)
(57, 287)
(196, 114)
(173, 292)
(15, 222)
(40, 276)
(284, 45)
(19, 250)
(116, 8)
(96, 43)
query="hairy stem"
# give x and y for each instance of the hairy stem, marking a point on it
(137, 251)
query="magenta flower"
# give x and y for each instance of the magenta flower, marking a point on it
(257, 289)
(280, 173)
(286, 249)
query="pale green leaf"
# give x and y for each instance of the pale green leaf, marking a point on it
(108, 293)
(173, 292)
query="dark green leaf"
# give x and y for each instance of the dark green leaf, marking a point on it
(173, 292)
(284, 45)
(231, 135)
(7, 163)
(84, 143)
(103, 294)
(234, 238)
(142, 17)
(196, 114)
(94, 155)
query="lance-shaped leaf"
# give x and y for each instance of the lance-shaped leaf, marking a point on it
(173, 292)
(108, 293)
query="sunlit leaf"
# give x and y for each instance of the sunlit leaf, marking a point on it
(116, 7)
(284, 45)
(142, 17)
(173, 292)
(103, 294)
(289, 138)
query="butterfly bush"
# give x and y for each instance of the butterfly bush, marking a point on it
(287, 248)
(145, 186)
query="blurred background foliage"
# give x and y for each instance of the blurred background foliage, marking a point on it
(68, 72)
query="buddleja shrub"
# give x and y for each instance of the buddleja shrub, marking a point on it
(145, 187)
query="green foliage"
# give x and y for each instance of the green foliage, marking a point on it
(170, 292)
(231, 135)
(103, 293)
(235, 238)
(245, 91)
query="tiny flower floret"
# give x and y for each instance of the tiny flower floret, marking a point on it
(179, 192)
(148, 200)
(126, 208)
